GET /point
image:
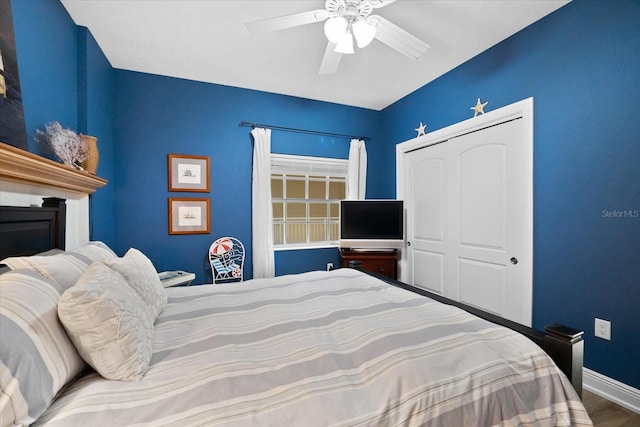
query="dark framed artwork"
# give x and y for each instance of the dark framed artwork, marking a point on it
(189, 215)
(12, 125)
(188, 173)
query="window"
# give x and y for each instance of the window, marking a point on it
(305, 195)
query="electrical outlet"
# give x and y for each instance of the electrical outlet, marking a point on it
(329, 266)
(603, 329)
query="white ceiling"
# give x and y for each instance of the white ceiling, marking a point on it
(207, 41)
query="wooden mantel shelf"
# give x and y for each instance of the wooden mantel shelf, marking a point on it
(27, 168)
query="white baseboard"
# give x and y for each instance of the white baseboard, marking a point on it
(611, 389)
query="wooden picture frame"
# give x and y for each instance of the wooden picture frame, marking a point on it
(189, 215)
(188, 173)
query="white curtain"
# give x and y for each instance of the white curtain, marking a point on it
(357, 173)
(263, 257)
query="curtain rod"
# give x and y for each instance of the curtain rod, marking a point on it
(307, 131)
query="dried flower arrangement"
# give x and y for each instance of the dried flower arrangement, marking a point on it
(65, 144)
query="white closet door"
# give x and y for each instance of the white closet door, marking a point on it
(470, 217)
(427, 218)
(488, 219)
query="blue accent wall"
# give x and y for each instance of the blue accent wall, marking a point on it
(156, 116)
(95, 117)
(46, 47)
(66, 78)
(582, 66)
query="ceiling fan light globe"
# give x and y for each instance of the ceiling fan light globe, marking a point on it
(345, 44)
(335, 28)
(363, 32)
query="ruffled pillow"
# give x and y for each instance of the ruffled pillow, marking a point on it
(108, 323)
(139, 272)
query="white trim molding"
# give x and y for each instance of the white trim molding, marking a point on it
(77, 231)
(615, 391)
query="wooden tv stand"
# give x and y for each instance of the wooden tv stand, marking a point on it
(383, 262)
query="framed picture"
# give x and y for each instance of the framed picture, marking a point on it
(12, 126)
(188, 173)
(189, 216)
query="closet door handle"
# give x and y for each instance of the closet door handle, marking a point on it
(408, 243)
(514, 260)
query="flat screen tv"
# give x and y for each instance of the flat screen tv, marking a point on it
(371, 224)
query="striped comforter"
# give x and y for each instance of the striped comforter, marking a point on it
(322, 349)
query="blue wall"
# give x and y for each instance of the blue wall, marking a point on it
(156, 116)
(46, 47)
(95, 117)
(65, 77)
(582, 66)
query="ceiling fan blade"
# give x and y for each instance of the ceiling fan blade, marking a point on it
(381, 3)
(330, 60)
(287, 21)
(397, 38)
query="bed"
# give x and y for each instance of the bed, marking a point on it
(318, 348)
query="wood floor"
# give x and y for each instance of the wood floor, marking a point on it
(604, 413)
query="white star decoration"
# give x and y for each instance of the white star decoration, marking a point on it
(420, 129)
(479, 108)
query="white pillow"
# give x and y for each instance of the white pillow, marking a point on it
(108, 323)
(64, 268)
(139, 272)
(95, 251)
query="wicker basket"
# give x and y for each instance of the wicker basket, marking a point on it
(91, 163)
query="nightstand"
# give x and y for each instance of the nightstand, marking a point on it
(176, 278)
(381, 262)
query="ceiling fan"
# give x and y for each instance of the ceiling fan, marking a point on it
(346, 20)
